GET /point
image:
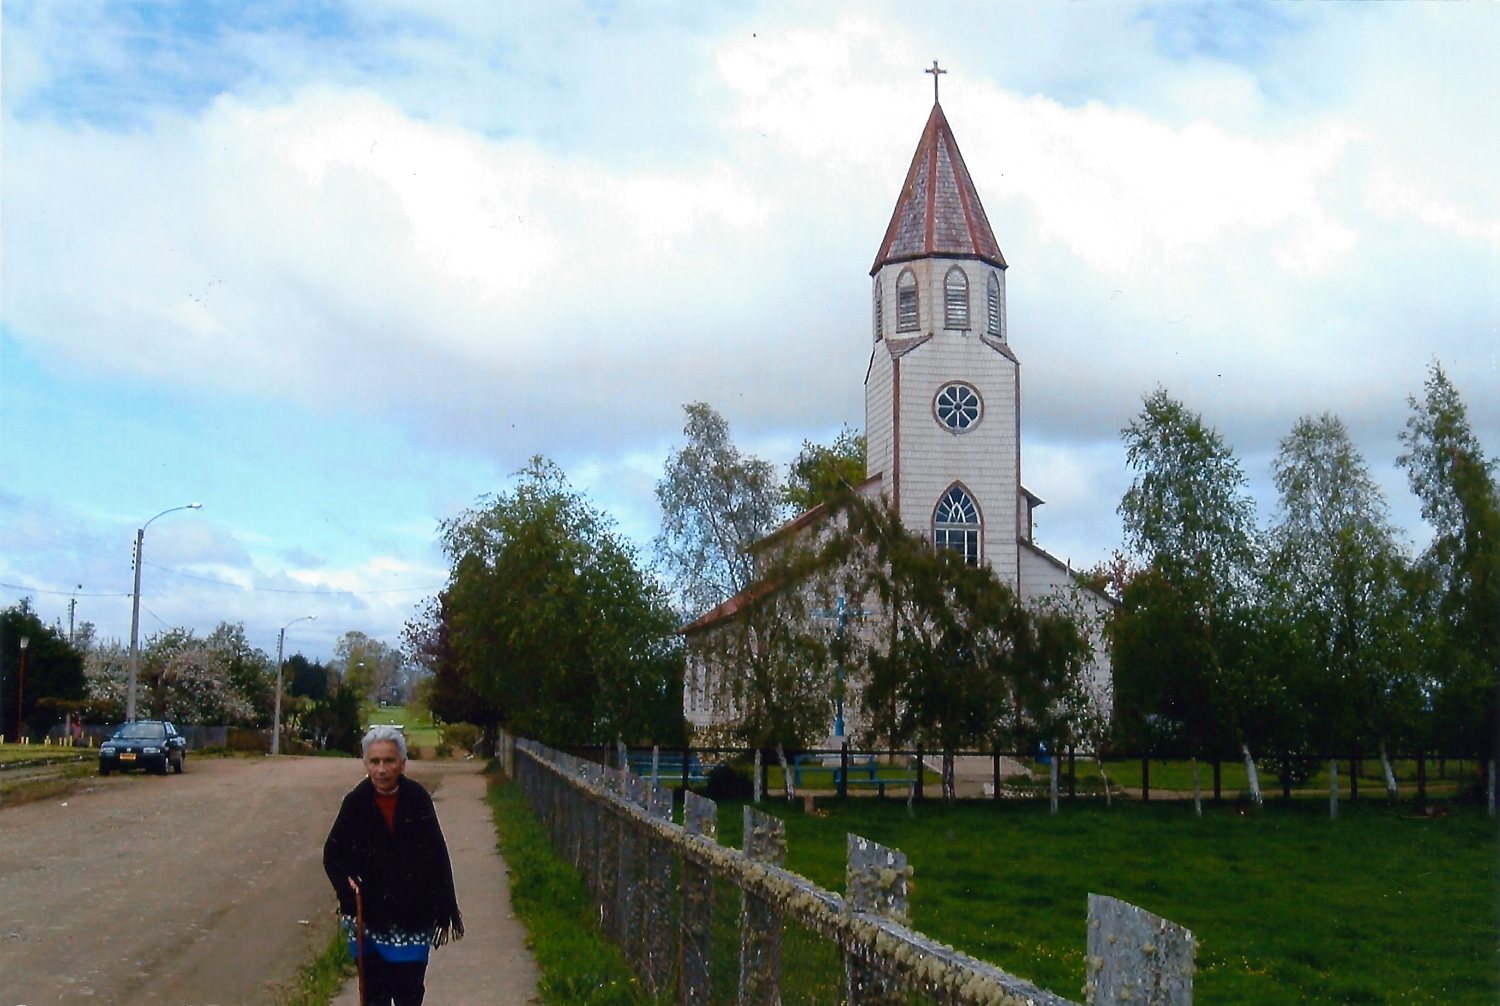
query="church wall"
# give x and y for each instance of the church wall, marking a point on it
(878, 403)
(1043, 580)
(985, 458)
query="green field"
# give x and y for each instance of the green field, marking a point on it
(420, 730)
(1380, 906)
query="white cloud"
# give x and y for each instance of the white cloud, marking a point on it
(1259, 235)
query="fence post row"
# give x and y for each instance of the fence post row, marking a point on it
(617, 830)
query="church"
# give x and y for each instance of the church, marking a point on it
(942, 405)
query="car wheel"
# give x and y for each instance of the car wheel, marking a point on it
(104, 770)
(160, 768)
(180, 764)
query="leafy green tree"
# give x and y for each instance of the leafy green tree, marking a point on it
(305, 678)
(1189, 520)
(249, 671)
(552, 622)
(332, 723)
(54, 671)
(1450, 474)
(366, 664)
(715, 503)
(821, 473)
(958, 661)
(1336, 569)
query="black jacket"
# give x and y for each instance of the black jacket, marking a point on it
(405, 876)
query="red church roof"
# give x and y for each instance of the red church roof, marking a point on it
(939, 211)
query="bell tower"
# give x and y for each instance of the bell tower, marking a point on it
(943, 390)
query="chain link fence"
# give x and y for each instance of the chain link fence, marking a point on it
(705, 925)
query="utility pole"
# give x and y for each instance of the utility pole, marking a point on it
(135, 609)
(72, 607)
(21, 686)
(276, 719)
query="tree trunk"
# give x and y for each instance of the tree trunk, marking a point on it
(1286, 776)
(1252, 775)
(1218, 781)
(1333, 788)
(948, 787)
(1390, 776)
(1421, 776)
(1145, 779)
(1197, 791)
(1056, 763)
(1108, 800)
(786, 775)
(1353, 779)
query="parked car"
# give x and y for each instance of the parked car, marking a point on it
(152, 744)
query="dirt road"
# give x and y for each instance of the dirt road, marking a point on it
(175, 889)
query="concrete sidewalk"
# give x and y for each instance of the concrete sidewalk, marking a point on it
(490, 966)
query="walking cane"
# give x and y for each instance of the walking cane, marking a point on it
(359, 938)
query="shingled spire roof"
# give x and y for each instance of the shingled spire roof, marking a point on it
(939, 211)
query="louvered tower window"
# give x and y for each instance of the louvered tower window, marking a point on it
(956, 299)
(879, 312)
(955, 524)
(906, 301)
(996, 307)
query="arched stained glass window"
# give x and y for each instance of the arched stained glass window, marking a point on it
(955, 524)
(996, 304)
(906, 301)
(956, 299)
(879, 312)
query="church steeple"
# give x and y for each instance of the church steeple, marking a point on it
(939, 213)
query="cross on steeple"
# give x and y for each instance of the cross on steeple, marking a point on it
(935, 71)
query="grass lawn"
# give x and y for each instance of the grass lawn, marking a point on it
(420, 731)
(1381, 906)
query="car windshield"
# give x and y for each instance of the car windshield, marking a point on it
(140, 732)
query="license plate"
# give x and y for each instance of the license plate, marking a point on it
(127, 757)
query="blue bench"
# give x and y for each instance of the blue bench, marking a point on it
(864, 772)
(668, 768)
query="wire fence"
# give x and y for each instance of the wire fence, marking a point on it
(705, 925)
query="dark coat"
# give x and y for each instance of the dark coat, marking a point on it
(405, 876)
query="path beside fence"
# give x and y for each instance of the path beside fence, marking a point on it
(490, 966)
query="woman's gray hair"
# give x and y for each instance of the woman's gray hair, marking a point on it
(383, 733)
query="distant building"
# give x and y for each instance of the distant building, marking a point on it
(942, 405)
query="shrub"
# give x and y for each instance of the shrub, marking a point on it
(725, 782)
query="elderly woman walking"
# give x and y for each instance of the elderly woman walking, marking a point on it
(387, 851)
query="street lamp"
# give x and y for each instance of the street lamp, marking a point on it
(21, 685)
(135, 608)
(276, 720)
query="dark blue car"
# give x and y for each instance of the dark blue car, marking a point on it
(149, 744)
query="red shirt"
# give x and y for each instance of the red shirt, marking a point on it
(387, 805)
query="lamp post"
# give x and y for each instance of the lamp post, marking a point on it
(276, 719)
(21, 686)
(135, 607)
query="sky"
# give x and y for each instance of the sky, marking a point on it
(336, 271)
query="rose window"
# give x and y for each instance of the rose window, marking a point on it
(958, 406)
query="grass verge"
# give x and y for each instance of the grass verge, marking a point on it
(579, 967)
(322, 977)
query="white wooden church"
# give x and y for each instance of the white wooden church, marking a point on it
(942, 403)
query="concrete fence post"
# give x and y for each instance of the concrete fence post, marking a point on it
(700, 819)
(876, 882)
(657, 890)
(760, 921)
(1136, 958)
